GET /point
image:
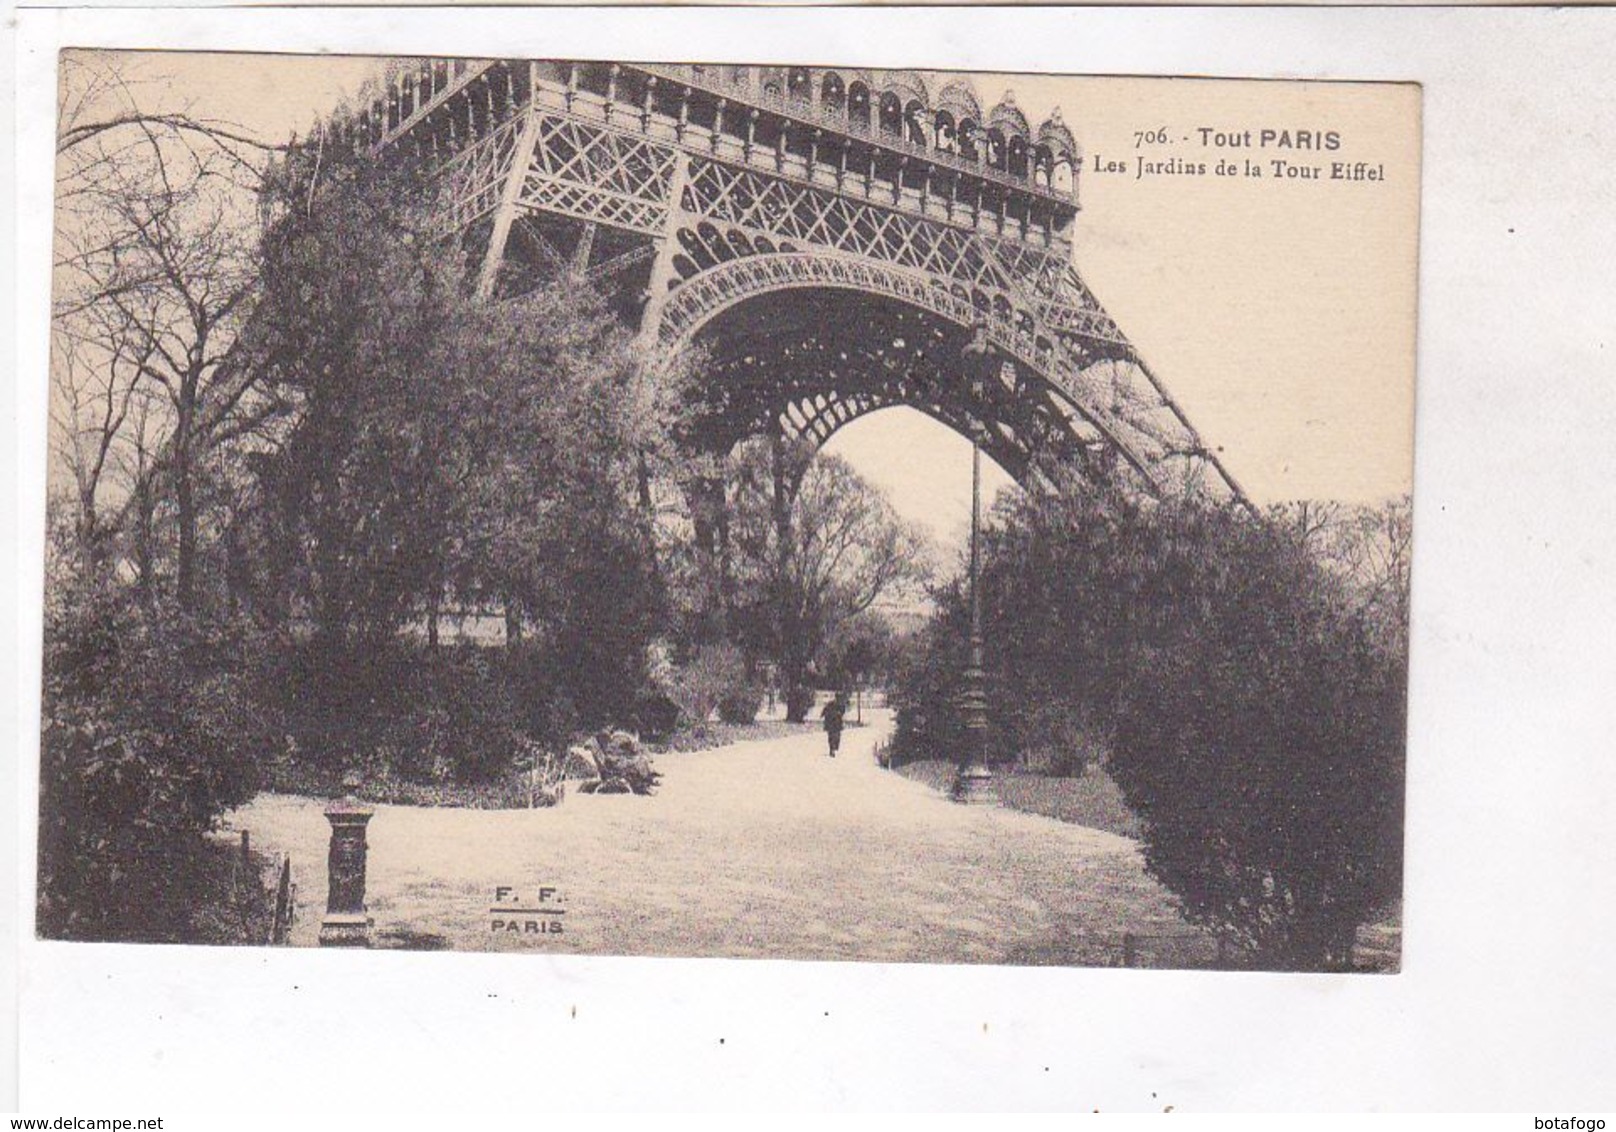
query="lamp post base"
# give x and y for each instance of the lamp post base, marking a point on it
(974, 786)
(345, 929)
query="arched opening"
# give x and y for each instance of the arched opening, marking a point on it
(1041, 161)
(774, 333)
(968, 139)
(696, 248)
(916, 129)
(890, 117)
(833, 93)
(996, 154)
(858, 106)
(923, 466)
(1015, 162)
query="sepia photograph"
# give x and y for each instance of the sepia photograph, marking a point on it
(693, 510)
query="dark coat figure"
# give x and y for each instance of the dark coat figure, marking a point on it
(833, 714)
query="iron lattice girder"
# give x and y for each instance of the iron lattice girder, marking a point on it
(1036, 308)
(592, 172)
(784, 209)
(1028, 279)
(576, 169)
(810, 373)
(1113, 395)
(470, 182)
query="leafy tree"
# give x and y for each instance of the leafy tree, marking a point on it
(862, 652)
(808, 561)
(152, 727)
(449, 448)
(1252, 714)
(153, 714)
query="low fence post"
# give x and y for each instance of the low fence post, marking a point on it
(346, 923)
(1129, 949)
(282, 919)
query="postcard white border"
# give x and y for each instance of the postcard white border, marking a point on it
(1507, 992)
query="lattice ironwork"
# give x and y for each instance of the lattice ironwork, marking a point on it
(1040, 284)
(785, 209)
(624, 261)
(719, 231)
(597, 174)
(811, 373)
(471, 181)
(1114, 394)
(1053, 289)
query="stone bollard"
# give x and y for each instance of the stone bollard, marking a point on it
(346, 923)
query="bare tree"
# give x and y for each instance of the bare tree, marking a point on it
(89, 413)
(1367, 550)
(155, 278)
(1376, 550)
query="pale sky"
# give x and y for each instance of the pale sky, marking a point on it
(1279, 313)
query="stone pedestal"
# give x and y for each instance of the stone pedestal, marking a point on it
(346, 923)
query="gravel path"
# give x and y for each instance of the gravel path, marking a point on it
(765, 849)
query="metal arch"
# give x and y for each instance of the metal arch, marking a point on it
(1018, 464)
(1044, 409)
(817, 405)
(1036, 307)
(709, 293)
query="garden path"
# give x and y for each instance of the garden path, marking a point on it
(765, 848)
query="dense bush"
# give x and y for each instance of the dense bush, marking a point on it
(1251, 707)
(740, 703)
(402, 709)
(656, 715)
(1057, 736)
(1261, 739)
(151, 729)
(716, 674)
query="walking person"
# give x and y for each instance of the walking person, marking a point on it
(833, 714)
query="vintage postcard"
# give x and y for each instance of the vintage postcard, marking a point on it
(682, 509)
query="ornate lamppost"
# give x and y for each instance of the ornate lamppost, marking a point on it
(973, 784)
